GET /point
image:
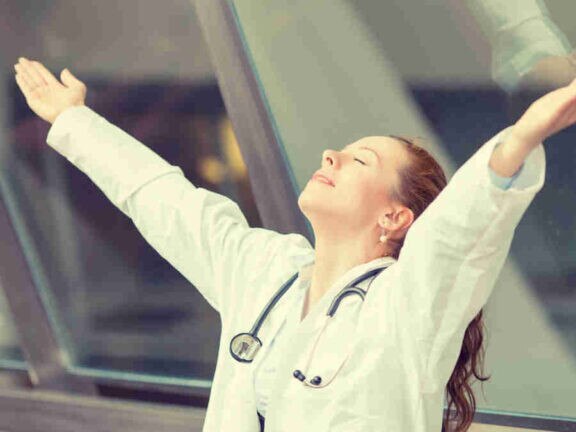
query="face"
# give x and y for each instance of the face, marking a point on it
(363, 174)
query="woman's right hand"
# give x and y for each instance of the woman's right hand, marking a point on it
(45, 95)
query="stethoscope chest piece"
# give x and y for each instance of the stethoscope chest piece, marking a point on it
(244, 347)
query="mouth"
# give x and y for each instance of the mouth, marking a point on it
(322, 179)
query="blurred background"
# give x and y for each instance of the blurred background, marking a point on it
(329, 72)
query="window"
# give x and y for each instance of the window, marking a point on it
(454, 73)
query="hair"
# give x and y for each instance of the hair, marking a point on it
(420, 182)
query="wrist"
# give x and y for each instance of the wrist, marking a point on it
(508, 157)
(520, 142)
(53, 118)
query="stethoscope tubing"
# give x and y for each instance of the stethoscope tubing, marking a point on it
(349, 289)
(352, 289)
(256, 327)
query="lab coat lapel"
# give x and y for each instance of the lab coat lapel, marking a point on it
(239, 395)
(276, 318)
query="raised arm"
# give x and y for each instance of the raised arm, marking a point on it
(546, 116)
(204, 235)
(454, 252)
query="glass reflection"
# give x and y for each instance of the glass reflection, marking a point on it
(11, 356)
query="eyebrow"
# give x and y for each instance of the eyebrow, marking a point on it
(369, 149)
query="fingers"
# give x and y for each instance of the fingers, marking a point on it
(44, 73)
(30, 74)
(70, 80)
(24, 86)
(21, 78)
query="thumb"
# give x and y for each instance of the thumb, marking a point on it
(68, 79)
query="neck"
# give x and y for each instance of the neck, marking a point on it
(335, 256)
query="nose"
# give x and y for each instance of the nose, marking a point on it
(330, 157)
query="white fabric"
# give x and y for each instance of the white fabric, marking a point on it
(266, 371)
(404, 340)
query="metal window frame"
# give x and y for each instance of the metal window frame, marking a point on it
(247, 107)
(68, 402)
(532, 422)
(44, 356)
(25, 411)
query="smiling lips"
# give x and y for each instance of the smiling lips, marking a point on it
(322, 178)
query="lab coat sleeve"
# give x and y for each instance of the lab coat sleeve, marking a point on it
(204, 235)
(452, 256)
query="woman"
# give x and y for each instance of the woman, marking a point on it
(429, 257)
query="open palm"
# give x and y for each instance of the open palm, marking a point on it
(547, 115)
(45, 95)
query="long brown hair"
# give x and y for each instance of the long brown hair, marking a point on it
(421, 180)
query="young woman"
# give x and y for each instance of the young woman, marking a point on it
(371, 328)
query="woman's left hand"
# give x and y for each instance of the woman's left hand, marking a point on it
(551, 113)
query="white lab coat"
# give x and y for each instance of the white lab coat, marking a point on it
(404, 340)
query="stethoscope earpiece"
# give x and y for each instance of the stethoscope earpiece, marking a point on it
(300, 376)
(316, 380)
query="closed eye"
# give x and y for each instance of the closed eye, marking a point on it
(363, 163)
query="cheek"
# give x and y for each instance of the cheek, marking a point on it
(368, 185)
(370, 194)
(359, 191)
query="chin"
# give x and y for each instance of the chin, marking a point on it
(308, 203)
(313, 205)
(303, 202)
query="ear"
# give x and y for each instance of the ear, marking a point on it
(396, 222)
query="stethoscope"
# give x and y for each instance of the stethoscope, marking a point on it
(245, 346)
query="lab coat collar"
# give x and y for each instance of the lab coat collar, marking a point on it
(321, 307)
(308, 269)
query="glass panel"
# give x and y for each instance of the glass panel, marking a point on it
(453, 73)
(11, 356)
(119, 309)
